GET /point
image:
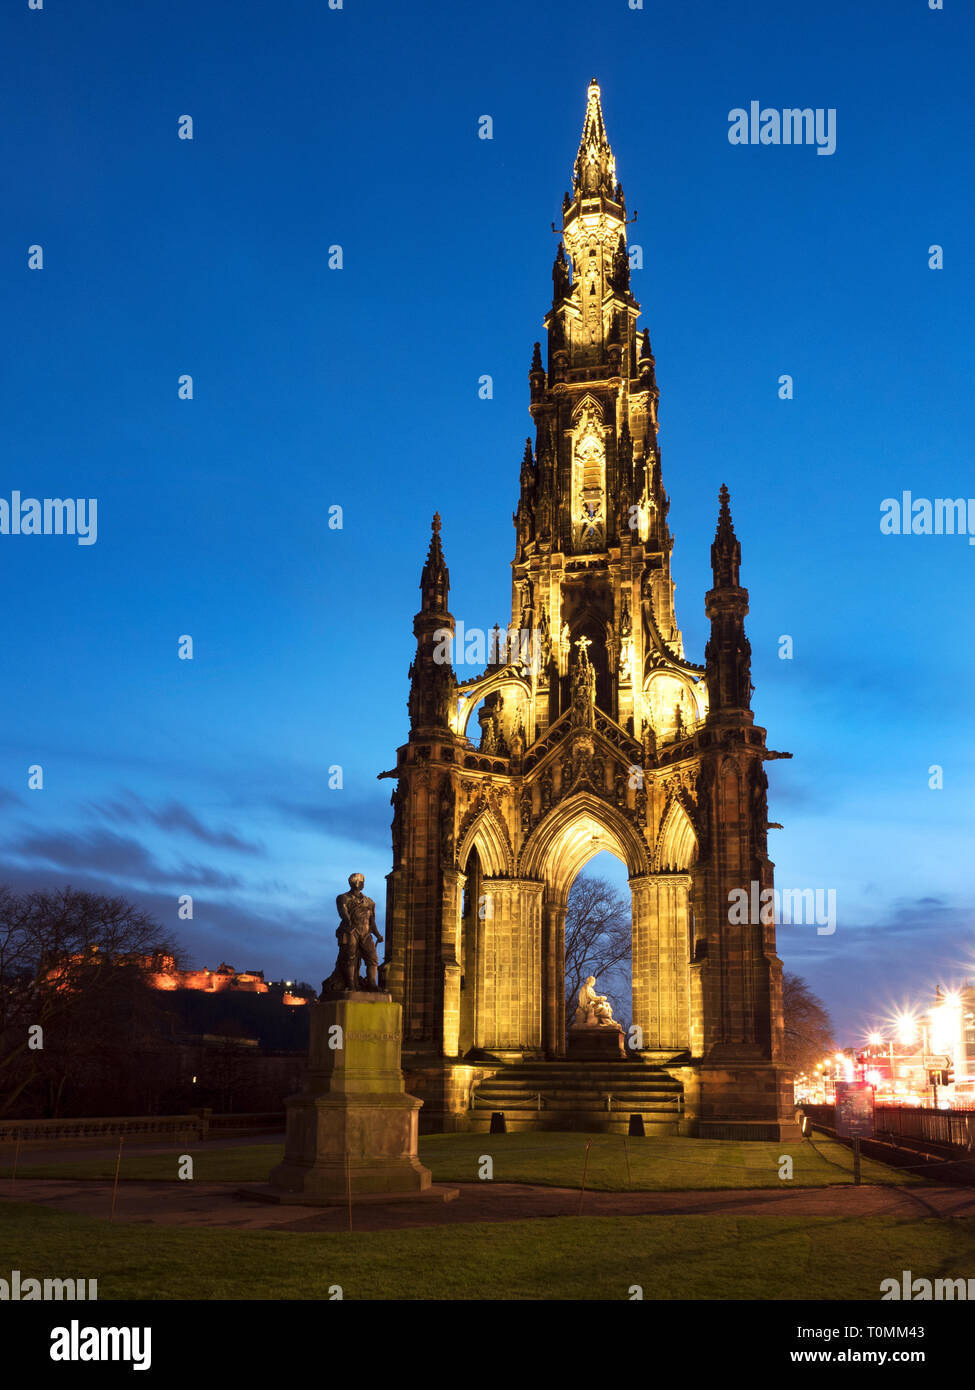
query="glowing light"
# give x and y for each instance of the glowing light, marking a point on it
(875, 1039)
(907, 1029)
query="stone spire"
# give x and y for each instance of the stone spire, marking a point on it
(726, 548)
(435, 579)
(728, 653)
(595, 167)
(432, 681)
(527, 467)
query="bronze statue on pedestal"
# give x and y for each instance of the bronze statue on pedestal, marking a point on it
(357, 927)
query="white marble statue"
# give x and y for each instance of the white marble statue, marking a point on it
(594, 1009)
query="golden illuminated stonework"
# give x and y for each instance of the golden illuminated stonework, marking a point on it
(595, 733)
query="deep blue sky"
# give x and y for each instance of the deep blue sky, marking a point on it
(359, 387)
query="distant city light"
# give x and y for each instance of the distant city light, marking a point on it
(907, 1029)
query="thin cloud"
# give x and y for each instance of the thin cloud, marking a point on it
(174, 817)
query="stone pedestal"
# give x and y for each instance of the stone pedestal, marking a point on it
(353, 1124)
(590, 1042)
(738, 1098)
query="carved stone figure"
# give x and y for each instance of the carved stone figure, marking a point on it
(626, 662)
(594, 1010)
(545, 642)
(649, 743)
(447, 806)
(619, 787)
(398, 828)
(583, 689)
(517, 746)
(759, 808)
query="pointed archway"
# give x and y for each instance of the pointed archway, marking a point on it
(560, 846)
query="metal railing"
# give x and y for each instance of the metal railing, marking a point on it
(949, 1129)
(199, 1125)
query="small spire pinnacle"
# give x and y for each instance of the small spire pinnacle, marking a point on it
(536, 365)
(435, 578)
(726, 550)
(527, 466)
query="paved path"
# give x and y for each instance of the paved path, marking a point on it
(221, 1204)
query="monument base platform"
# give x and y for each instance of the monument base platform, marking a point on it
(596, 1044)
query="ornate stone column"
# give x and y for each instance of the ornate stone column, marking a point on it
(661, 950)
(451, 908)
(510, 966)
(553, 978)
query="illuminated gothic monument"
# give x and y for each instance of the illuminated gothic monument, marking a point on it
(596, 733)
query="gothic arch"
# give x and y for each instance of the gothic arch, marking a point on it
(469, 696)
(572, 833)
(677, 841)
(489, 835)
(587, 404)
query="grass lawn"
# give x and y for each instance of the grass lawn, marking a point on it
(554, 1160)
(671, 1257)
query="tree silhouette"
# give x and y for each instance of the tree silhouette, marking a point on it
(808, 1026)
(67, 965)
(598, 941)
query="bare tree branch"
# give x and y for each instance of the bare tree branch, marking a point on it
(598, 941)
(808, 1026)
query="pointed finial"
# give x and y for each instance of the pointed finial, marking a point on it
(536, 365)
(527, 465)
(595, 167)
(435, 577)
(726, 549)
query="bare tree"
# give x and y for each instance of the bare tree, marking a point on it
(598, 941)
(808, 1026)
(65, 956)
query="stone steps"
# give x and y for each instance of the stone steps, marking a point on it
(593, 1096)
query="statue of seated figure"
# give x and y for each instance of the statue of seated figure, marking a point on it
(594, 1009)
